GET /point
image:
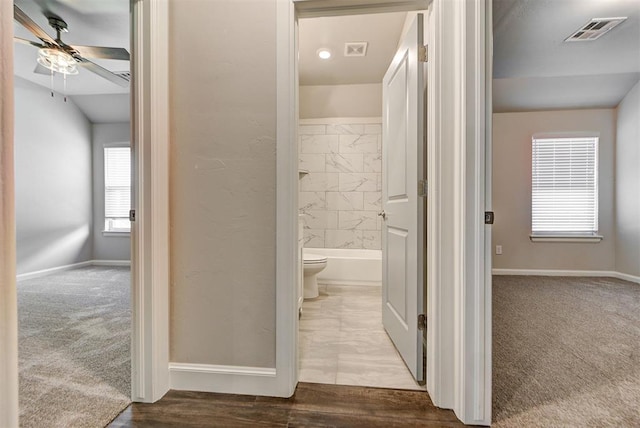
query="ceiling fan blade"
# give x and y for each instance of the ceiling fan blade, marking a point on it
(28, 42)
(30, 25)
(103, 72)
(102, 52)
(41, 70)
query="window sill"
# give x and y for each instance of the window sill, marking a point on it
(123, 234)
(566, 238)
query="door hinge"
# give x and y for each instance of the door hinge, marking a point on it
(422, 322)
(132, 215)
(422, 188)
(422, 53)
(488, 217)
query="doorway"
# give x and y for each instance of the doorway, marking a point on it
(149, 362)
(73, 188)
(343, 340)
(460, 358)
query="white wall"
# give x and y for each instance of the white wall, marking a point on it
(512, 134)
(222, 182)
(363, 100)
(110, 247)
(342, 194)
(53, 180)
(627, 189)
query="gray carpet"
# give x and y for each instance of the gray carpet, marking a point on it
(74, 347)
(566, 352)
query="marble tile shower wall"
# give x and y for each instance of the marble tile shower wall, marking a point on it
(341, 196)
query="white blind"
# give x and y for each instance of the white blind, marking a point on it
(117, 182)
(564, 196)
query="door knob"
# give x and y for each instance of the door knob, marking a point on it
(383, 215)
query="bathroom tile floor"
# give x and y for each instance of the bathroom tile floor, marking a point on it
(342, 341)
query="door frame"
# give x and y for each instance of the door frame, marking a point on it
(150, 233)
(150, 259)
(459, 298)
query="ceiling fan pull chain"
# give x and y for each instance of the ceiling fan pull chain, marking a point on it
(64, 90)
(51, 83)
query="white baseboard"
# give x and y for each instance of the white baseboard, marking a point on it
(44, 272)
(559, 272)
(627, 277)
(224, 379)
(111, 262)
(347, 282)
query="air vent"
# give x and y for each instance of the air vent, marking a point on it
(355, 48)
(124, 74)
(594, 29)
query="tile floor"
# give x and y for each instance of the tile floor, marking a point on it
(342, 341)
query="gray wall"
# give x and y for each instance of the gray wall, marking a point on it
(53, 180)
(222, 182)
(628, 184)
(341, 196)
(112, 247)
(512, 134)
(363, 100)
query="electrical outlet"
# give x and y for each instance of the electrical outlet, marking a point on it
(498, 249)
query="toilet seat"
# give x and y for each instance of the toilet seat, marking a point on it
(310, 259)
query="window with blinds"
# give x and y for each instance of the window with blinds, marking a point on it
(564, 194)
(117, 189)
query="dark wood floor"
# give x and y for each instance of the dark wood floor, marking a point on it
(313, 405)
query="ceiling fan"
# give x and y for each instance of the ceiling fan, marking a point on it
(57, 56)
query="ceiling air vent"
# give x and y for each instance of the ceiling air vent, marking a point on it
(124, 74)
(355, 49)
(594, 29)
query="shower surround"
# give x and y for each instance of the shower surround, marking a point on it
(341, 196)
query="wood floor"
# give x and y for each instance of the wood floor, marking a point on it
(313, 405)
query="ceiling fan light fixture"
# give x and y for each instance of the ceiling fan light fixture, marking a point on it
(57, 60)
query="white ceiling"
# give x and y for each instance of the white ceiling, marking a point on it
(91, 22)
(381, 31)
(534, 69)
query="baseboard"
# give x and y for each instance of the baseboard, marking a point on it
(559, 272)
(627, 277)
(44, 272)
(223, 379)
(346, 282)
(111, 262)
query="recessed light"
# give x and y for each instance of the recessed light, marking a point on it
(324, 53)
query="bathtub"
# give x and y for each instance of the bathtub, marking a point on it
(350, 267)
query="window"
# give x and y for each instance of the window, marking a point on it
(117, 189)
(564, 191)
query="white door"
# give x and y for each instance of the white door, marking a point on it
(402, 208)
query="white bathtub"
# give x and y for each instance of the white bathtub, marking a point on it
(350, 267)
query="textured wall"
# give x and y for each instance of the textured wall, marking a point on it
(628, 184)
(106, 247)
(341, 196)
(512, 134)
(53, 180)
(222, 182)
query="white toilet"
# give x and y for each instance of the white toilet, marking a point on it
(313, 264)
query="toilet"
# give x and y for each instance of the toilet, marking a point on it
(313, 264)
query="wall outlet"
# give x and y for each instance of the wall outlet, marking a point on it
(499, 249)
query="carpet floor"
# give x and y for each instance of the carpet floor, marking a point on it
(74, 347)
(566, 352)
